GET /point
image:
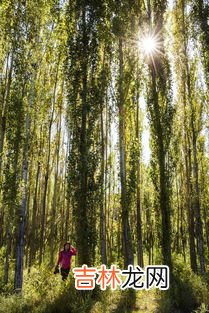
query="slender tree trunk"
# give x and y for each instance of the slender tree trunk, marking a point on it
(195, 195)
(163, 188)
(102, 213)
(55, 192)
(21, 232)
(3, 115)
(205, 207)
(127, 242)
(18, 280)
(201, 9)
(68, 203)
(46, 178)
(198, 218)
(7, 255)
(138, 194)
(177, 240)
(82, 222)
(34, 217)
(192, 249)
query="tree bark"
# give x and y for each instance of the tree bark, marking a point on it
(18, 281)
(82, 222)
(47, 172)
(138, 194)
(127, 242)
(163, 187)
(102, 213)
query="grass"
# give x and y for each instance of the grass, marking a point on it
(45, 292)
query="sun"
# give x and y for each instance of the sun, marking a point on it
(149, 44)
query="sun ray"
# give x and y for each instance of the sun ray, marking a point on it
(150, 45)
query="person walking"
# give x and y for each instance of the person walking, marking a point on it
(64, 260)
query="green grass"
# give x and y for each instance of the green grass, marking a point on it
(45, 292)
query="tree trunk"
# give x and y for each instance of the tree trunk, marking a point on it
(192, 249)
(55, 192)
(3, 115)
(7, 256)
(198, 218)
(102, 213)
(127, 242)
(82, 222)
(138, 194)
(18, 281)
(163, 189)
(33, 222)
(46, 178)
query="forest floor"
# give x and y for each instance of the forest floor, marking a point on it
(144, 302)
(64, 298)
(45, 292)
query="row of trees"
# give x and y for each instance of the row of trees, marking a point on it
(72, 86)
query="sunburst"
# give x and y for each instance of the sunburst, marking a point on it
(150, 46)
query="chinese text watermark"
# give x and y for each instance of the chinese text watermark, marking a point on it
(153, 276)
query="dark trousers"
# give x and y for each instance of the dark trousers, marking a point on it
(64, 273)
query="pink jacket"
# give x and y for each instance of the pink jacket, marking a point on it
(65, 257)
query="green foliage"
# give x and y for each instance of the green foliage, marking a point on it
(41, 288)
(45, 292)
(202, 309)
(188, 291)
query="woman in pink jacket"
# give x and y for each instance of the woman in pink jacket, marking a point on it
(64, 260)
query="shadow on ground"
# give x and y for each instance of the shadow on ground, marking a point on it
(127, 302)
(74, 301)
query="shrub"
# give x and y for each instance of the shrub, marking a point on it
(187, 292)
